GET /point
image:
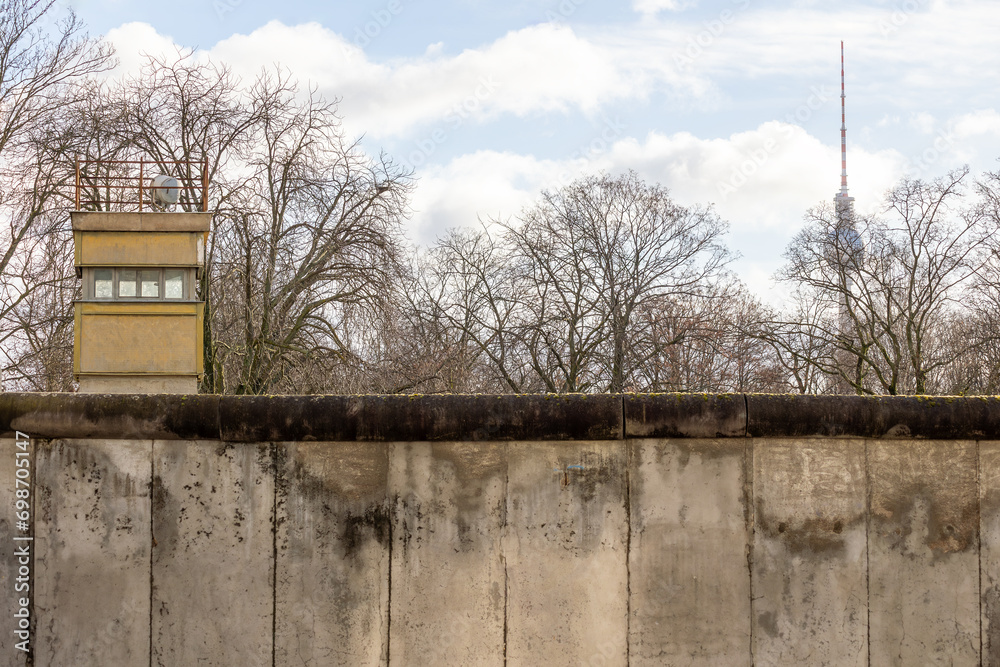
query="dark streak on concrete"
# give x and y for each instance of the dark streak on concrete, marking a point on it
(112, 416)
(991, 603)
(794, 415)
(409, 418)
(375, 522)
(166, 514)
(768, 622)
(354, 503)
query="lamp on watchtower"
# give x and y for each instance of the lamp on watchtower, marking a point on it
(139, 248)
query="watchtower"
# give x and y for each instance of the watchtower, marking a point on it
(139, 247)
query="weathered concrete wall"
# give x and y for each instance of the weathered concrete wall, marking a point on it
(923, 548)
(10, 656)
(601, 530)
(989, 554)
(92, 552)
(332, 553)
(809, 552)
(567, 554)
(212, 578)
(688, 578)
(447, 597)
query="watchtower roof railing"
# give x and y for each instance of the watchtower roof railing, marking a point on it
(125, 185)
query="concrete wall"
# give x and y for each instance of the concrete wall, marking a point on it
(600, 530)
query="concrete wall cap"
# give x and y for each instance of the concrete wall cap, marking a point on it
(456, 417)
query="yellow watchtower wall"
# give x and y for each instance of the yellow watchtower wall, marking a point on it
(139, 338)
(139, 248)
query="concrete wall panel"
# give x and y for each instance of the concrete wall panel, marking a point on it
(566, 554)
(923, 552)
(810, 596)
(92, 509)
(989, 558)
(332, 554)
(10, 656)
(448, 596)
(689, 580)
(213, 554)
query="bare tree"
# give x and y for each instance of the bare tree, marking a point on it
(801, 345)
(470, 294)
(885, 290)
(977, 368)
(574, 293)
(43, 320)
(601, 252)
(42, 72)
(313, 233)
(707, 344)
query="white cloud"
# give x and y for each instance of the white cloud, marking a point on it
(976, 123)
(133, 42)
(971, 138)
(922, 122)
(762, 181)
(479, 186)
(765, 178)
(747, 41)
(542, 68)
(654, 6)
(545, 68)
(550, 68)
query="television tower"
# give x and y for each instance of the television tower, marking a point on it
(847, 252)
(843, 202)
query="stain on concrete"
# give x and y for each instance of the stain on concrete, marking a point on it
(374, 523)
(590, 474)
(768, 622)
(167, 514)
(919, 517)
(92, 558)
(925, 495)
(212, 566)
(819, 536)
(923, 552)
(332, 544)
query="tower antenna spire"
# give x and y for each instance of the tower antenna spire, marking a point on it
(842, 199)
(843, 127)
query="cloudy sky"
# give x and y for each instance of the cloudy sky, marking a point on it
(732, 102)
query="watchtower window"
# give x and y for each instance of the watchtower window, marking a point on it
(173, 283)
(126, 283)
(104, 280)
(120, 284)
(149, 284)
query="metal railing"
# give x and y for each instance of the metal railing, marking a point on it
(107, 185)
